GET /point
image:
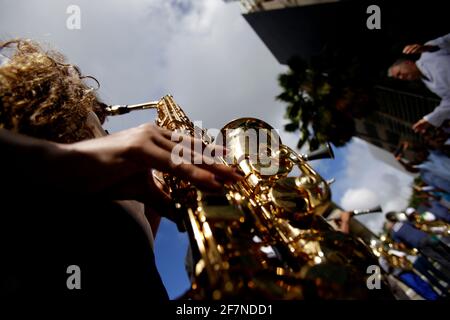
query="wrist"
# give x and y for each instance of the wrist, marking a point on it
(70, 169)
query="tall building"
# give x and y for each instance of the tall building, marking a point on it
(297, 27)
(391, 123)
(263, 5)
(306, 28)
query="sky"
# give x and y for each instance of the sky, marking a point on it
(205, 54)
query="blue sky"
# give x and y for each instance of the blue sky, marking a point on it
(206, 55)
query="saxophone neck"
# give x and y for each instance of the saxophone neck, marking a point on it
(127, 108)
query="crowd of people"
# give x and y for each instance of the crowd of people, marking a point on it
(414, 248)
(416, 245)
(417, 250)
(426, 227)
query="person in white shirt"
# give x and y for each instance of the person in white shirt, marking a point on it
(433, 68)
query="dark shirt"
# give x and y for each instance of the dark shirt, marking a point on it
(38, 241)
(409, 235)
(439, 211)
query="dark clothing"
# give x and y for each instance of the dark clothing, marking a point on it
(409, 235)
(420, 286)
(440, 211)
(39, 241)
(435, 263)
(433, 275)
(435, 250)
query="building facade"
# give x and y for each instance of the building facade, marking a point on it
(391, 123)
(306, 28)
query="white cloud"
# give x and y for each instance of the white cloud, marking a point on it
(359, 198)
(369, 183)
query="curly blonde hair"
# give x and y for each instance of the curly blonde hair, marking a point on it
(42, 96)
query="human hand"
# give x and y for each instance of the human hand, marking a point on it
(412, 49)
(417, 48)
(399, 152)
(344, 222)
(124, 158)
(421, 126)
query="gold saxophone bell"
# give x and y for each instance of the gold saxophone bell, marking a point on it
(264, 236)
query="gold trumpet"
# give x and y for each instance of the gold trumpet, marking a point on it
(264, 236)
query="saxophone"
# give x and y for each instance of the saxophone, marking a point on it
(263, 237)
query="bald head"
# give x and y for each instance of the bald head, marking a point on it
(404, 70)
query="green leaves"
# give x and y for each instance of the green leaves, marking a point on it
(286, 97)
(311, 98)
(291, 127)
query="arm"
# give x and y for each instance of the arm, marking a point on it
(340, 220)
(113, 164)
(439, 114)
(401, 149)
(434, 119)
(408, 167)
(433, 45)
(345, 222)
(441, 42)
(30, 164)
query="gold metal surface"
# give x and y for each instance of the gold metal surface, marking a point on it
(287, 195)
(264, 236)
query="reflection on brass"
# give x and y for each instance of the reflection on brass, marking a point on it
(395, 256)
(264, 237)
(288, 196)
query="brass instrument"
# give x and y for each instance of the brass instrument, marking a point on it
(358, 212)
(395, 255)
(264, 236)
(398, 259)
(366, 211)
(437, 227)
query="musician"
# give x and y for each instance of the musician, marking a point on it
(437, 209)
(436, 194)
(403, 231)
(398, 265)
(72, 195)
(433, 68)
(340, 220)
(433, 167)
(427, 221)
